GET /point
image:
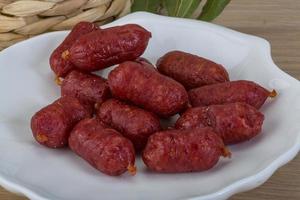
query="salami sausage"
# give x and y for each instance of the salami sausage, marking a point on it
(144, 61)
(190, 150)
(74, 108)
(104, 148)
(88, 88)
(234, 123)
(58, 62)
(230, 92)
(139, 83)
(107, 47)
(52, 124)
(190, 70)
(134, 123)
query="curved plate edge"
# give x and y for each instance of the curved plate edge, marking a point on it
(236, 187)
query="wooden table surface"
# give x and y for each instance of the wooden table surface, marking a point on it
(278, 21)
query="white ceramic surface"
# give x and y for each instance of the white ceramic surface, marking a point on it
(26, 85)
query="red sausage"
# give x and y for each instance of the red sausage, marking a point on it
(104, 148)
(139, 83)
(88, 88)
(144, 61)
(134, 123)
(230, 92)
(74, 108)
(235, 122)
(190, 70)
(52, 124)
(191, 150)
(58, 63)
(104, 48)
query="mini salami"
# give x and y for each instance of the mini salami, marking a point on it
(88, 88)
(104, 148)
(134, 123)
(190, 70)
(235, 122)
(139, 83)
(230, 92)
(107, 47)
(192, 150)
(58, 62)
(52, 124)
(144, 61)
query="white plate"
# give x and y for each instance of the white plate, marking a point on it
(26, 85)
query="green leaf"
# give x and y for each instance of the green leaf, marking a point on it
(146, 5)
(212, 9)
(181, 8)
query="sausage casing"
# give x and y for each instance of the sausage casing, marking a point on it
(107, 47)
(134, 123)
(230, 92)
(234, 123)
(190, 70)
(52, 124)
(104, 148)
(190, 150)
(88, 88)
(144, 86)
(60, 65)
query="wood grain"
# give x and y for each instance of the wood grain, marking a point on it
(278, 21)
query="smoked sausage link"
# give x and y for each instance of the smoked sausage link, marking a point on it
(190, 150)
(230, 92)
(107, 47)
(141, 84)
(190, 70)
(234, 123)
(134, 123)
(88, 88)
(104, 148)
(60, 64)
(52, 124)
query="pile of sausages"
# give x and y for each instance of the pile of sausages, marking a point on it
(106, 122)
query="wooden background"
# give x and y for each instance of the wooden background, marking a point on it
(278, 21)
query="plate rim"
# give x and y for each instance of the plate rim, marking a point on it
(240, 185)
